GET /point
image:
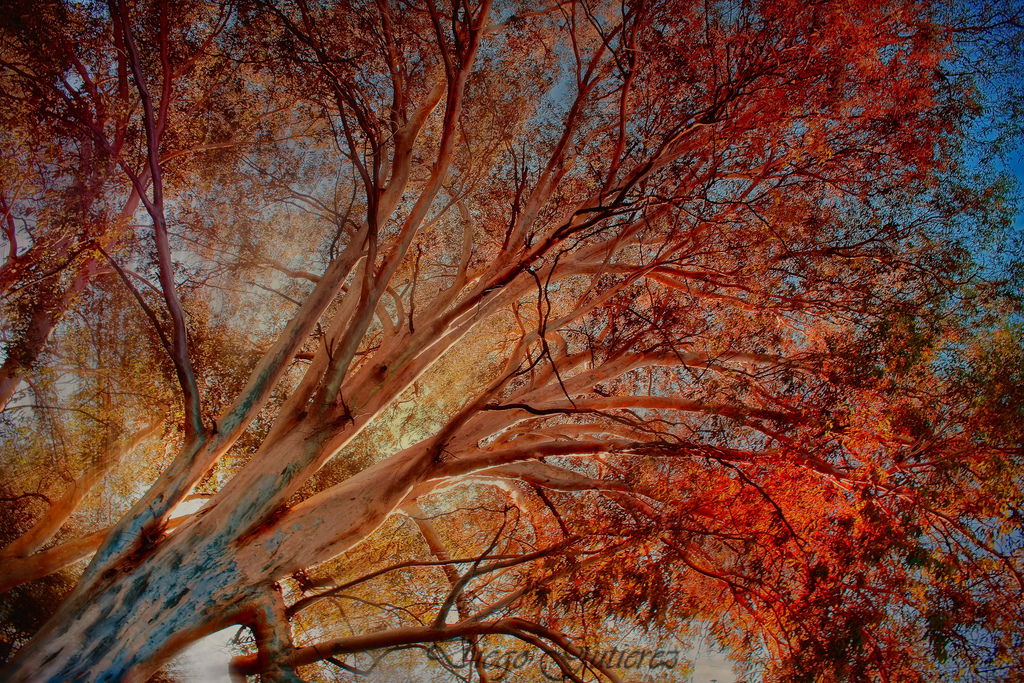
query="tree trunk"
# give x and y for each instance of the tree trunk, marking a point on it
(124, 623)
(137, 614)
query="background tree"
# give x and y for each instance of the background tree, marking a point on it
(502, 323)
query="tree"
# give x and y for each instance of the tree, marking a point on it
(479, 321)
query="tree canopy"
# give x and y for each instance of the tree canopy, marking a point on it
(477, 339)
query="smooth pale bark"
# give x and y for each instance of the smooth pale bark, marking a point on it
(187, 587)
(335, 520)
(207, 573)
(273, 637)
(203, 576)
(202, 453)
(552, 477)
(474, 462)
